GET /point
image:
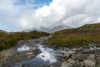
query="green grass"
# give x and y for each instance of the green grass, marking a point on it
(8, 40)
(88, 34)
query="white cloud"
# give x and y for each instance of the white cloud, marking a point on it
(72, 13)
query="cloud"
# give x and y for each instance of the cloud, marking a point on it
(71, 13)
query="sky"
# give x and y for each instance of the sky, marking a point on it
(23, 15)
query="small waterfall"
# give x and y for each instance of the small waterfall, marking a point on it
(23, 48)
(47, 54)
(46, 58)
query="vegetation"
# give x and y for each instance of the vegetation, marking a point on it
(88, 34)
(8, 40)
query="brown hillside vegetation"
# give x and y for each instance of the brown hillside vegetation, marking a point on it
(8, 40)
(88, 34)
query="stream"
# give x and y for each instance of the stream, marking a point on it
(34, 53)
(48, 57)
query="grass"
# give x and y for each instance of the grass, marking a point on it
(88, 34)
(64, 38)
(8, 40)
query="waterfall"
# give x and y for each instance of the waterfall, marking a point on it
(46, 57)
(23, 48)
(47, 54)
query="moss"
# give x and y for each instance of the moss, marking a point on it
(76, 37)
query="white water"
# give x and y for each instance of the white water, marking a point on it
(47, 54)
(23, 48)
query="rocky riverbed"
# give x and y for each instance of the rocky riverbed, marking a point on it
(34, 53)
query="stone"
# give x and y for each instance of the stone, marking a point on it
(66, 64)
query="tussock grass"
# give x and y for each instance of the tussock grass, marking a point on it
(8, 40)
(88, 34)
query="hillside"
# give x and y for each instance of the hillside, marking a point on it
(87, 34)
(8, 40)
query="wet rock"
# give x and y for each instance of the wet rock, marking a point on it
(89, 63)
(98, 60)
(77, 59)
(65, 64)
(73, 57)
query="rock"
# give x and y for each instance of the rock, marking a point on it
(89, 63)
(98, 60)
(65, 64)
(77, 59)
(29, 53)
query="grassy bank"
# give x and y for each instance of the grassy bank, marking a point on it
(76, 37)
(8, 40)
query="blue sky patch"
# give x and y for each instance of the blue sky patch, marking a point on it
(34, 2)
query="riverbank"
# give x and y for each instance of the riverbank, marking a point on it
(70, 48)
(66, 57)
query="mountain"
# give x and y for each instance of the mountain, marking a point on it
(55, 28)
(2, 31)
(77, 37)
